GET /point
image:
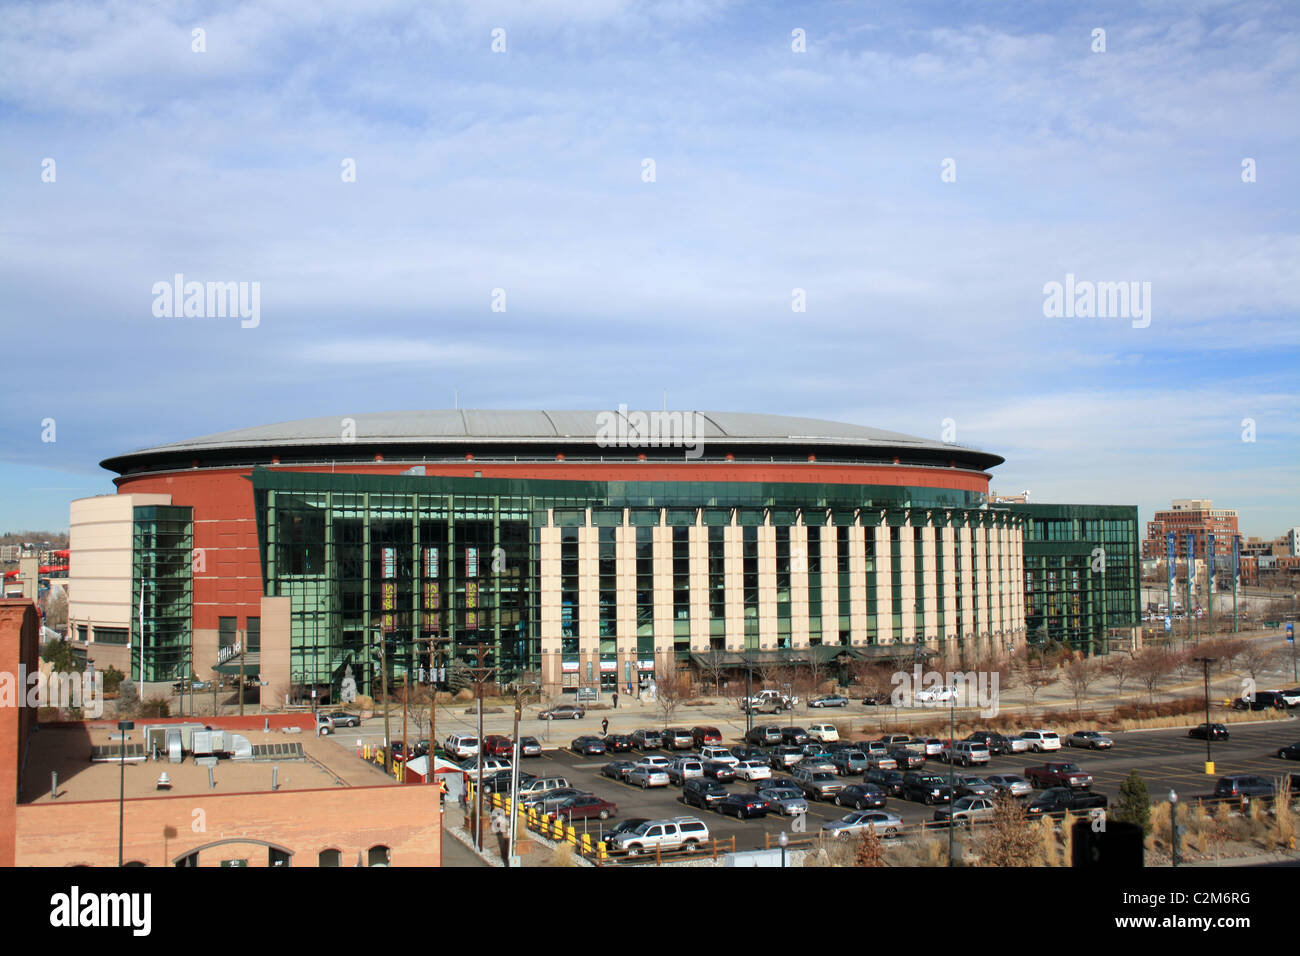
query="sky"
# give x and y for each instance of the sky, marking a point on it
(648, 184)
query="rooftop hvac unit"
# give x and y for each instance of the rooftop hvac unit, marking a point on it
(202, 743)
(239, 747)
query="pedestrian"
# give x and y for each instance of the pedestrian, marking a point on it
(604, 726)
(616, 700)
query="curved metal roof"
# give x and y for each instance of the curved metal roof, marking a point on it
(469, 427)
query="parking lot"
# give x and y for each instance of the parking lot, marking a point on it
(1165, 758)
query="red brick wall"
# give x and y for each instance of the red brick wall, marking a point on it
(159, 830)
(19, 644)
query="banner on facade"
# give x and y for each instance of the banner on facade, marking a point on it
(471, 562)
(390, 563)
(430, 562)
(389, 605)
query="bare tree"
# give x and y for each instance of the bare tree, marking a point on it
(1081, 675)
(670, 691)
(1009, 842)
(1150, 668)
(1119, 669)
(1256, 658)
(1037, 675)
(714, 663)
(875, 680)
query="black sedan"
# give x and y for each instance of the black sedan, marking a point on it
(743, 806)
(1215, 732)
(719, 770)
(1290, 752)
(618, 770)
(587, 745)
(861, 796)
(794, 735)
(618, 743)
(890, 781)
(625, 826)
(907, 759)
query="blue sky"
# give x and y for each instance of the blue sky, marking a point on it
(774, 170)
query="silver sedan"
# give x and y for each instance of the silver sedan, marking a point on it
(647, 777)
(883, 822)
(786, 802)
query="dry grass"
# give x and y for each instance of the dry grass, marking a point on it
(562, 855)
(926, 851)
(1049, 845)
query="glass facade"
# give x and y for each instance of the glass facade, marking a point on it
(1081, 571)
(161, 577)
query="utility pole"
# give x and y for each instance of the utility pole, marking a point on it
(383, 679)
(480, 674)
(433, 703)
(514, 779)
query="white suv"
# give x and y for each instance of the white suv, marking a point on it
(719, 755)
(1041, 740)
(462, 746)
(826, 733)
(684, 833)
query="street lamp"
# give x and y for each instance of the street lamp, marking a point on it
(122, 727)
(1206, 662)
(783, 841)
(1173, 825)
(952, 770)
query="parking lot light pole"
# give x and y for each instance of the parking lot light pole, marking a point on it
(1209, 760)
(122, 727)
(952, 774)
(783, 841)
(1173, 826)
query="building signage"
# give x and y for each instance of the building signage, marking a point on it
(430, 562)
(568, 667)
(390, 563)
(645, 665)
(471, 605)
(1210, 556)
(471, 562)
(1169, 561)
(389, 604)
(608, 666)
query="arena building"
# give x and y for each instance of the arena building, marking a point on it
(582, 549)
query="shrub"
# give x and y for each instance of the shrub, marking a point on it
(113, 680)
(1134, 805)
(156, 707)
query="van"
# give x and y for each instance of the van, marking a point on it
(541, 785)
(683, 769)
(968, 752)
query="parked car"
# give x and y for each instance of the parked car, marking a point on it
(932, 746)
(564, 712)
(796, 736)
(460, 746)
(705, 794)
(861, 796)
(890, 781)
(618, 743)
(782, 758)
(499, 782)
(817, 784)
(654, 761)
(647, 740)
(1012, 783)
(495, 745)
(529, 747)
(927, 788)
(823, 732)
(617, 770)
(646, 776)
(1213, 731)
(344, 719)
(756, 705)
(549, 800)
(763, 736)
(907, 759)
(753, 770)
(969, 785)
(966, 810)
(830, 700)
(705, 735)
(883, 822)
(1241, 789)
(624, 826)
(1059, 774)
(1057, 801)
(541, 785)
(877, 761)
(787, 801)
(491, 765)
(720, 771)
(966, 753)
(850, 763)
(743, 806)
(1291, 697)
(817, 762)
(684, 833)
(749, 753)
(587, 745)
(997, 743)
(683, 769)
(718, 754)
(1290, 752)
(1016, 744)
(1041, 741)
(586, 807)
(677, 738)
(1090, 739)
(1263, 700)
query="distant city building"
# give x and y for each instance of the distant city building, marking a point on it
(1196, 516)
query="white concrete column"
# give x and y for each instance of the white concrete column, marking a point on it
(948, 542)
(981, 581)
(734, 576)
(930, 579)
(589, 589)
(663, 552)
(549, 574)
(857, 588)
(965, 545)
(830, 608)
(699, 537)
(799, 586)
(884, 587)
(907, 567)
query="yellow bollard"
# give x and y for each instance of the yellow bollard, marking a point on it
(602, 851)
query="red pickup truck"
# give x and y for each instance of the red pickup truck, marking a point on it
(1058, 774)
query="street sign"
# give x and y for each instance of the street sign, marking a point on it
(1290, 633)
(1169, 623)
